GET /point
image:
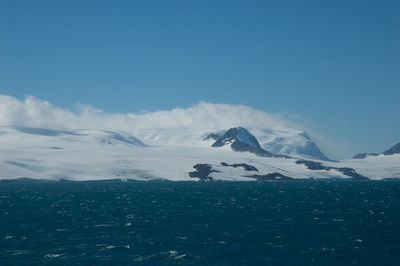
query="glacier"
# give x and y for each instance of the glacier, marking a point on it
(168, 154)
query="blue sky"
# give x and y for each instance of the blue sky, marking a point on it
(335, 63)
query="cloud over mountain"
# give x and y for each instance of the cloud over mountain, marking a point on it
(33, 112)
(175, 126)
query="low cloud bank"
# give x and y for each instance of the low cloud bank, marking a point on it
(198, 119)
(33, 112)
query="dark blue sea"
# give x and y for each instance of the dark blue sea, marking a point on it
(194, 223)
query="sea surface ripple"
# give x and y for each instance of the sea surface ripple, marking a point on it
(194, 223)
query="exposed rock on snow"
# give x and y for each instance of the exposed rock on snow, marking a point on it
(271, 176)
(364, 155)
(202, 172)
(245, 166)
(344, 170)
(241, 140)
(85, 155)
(393, 150)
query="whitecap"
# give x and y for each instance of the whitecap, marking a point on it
(130, 216)
(180, 257)
(102, 225)
(19, 252)
(173, 252)
(142, 258)
(52, 256)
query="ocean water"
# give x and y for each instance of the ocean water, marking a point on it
(194, 223)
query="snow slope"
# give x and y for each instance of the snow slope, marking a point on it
(289, 141)
(376, 167)
(168, 154)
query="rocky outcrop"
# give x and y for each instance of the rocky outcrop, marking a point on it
(202, 172)
(245, 166)
(344, 170)
(271, 176)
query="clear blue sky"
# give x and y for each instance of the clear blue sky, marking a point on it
(337, 63)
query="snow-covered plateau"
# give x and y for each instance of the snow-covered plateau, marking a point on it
(177, 154)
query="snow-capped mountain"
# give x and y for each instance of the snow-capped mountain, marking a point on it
(284, 141)
(235, 154)
(176, 127)
(202, 142)
(393, 150)
(289, 141)
(241, 140)
(237, 135)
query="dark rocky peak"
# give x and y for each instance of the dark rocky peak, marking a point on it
(241, 140)
(237, 134)
(393, 150)
(364, 155)
(213, 136)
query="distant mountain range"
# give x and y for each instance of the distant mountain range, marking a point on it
(179, 154)
(393, 150)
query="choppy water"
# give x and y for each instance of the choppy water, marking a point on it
(189, 223)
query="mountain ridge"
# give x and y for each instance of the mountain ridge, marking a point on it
(86, 155)
(395, 149)
(241, 140)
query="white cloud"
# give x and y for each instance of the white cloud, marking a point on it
(34, 112)
(195, 121)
